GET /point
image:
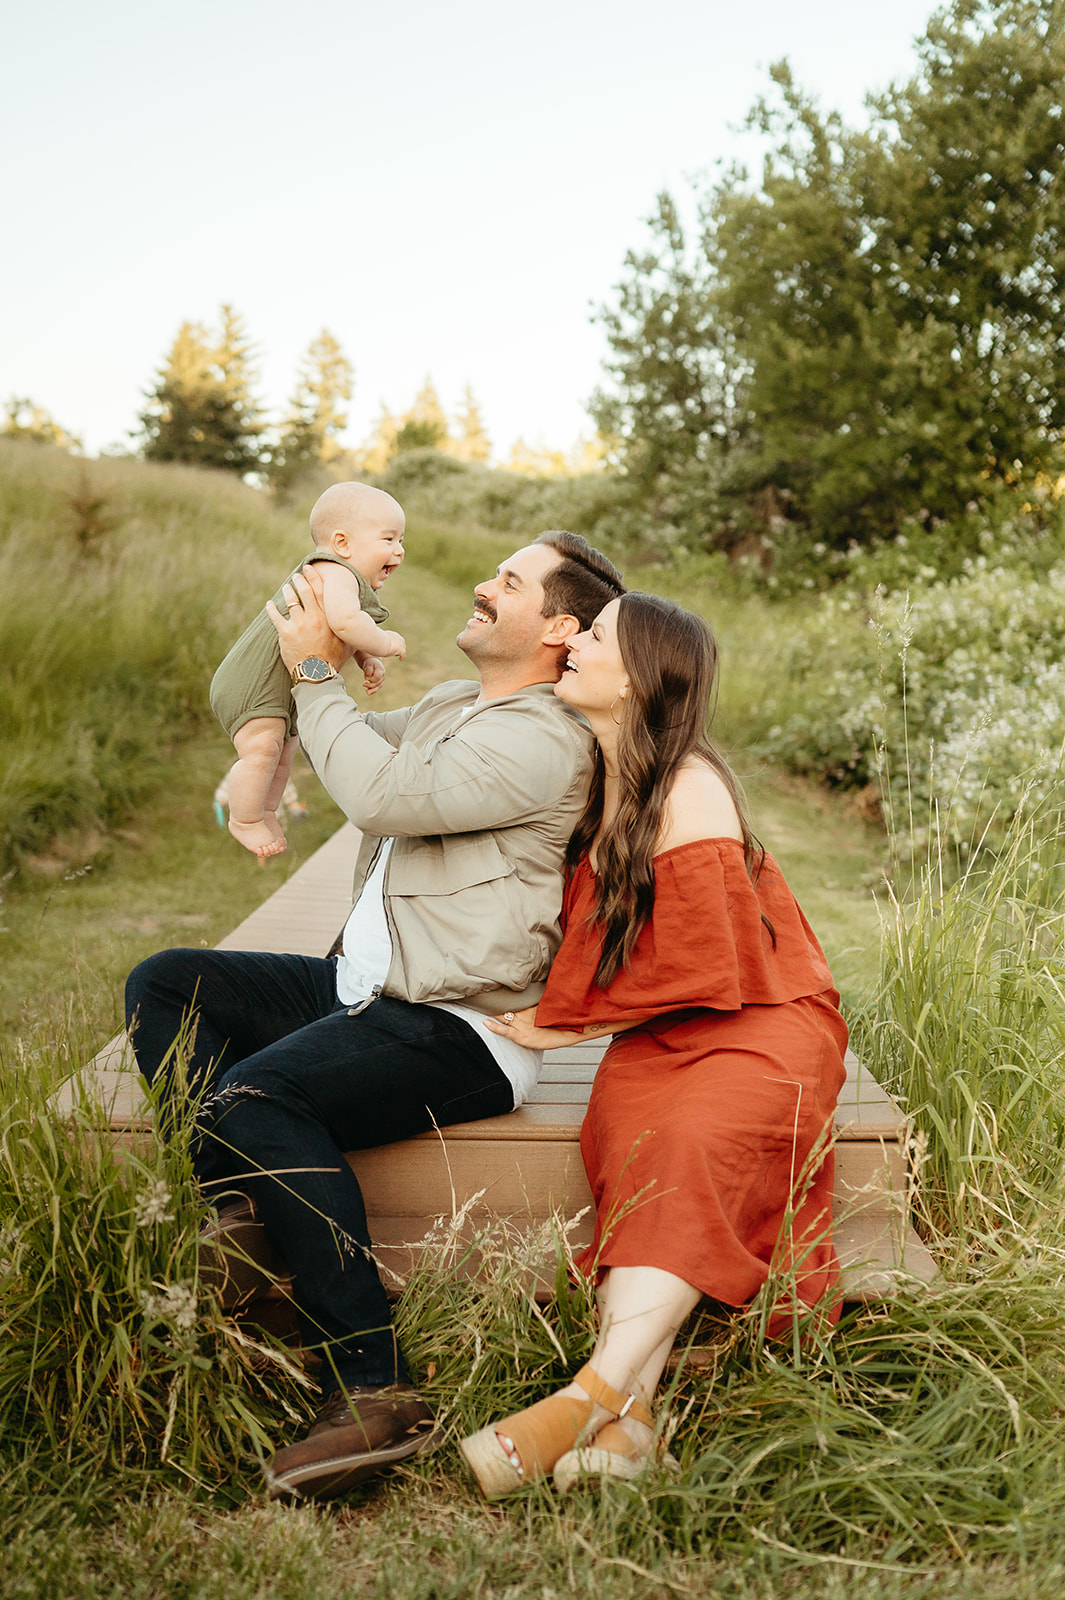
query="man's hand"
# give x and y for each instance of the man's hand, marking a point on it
(305, 632)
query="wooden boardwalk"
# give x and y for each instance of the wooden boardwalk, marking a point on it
(524, 1165)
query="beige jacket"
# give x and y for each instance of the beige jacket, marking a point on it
(480, 808)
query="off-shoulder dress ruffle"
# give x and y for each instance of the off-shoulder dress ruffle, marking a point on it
(708, 1124)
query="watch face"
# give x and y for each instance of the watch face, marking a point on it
(315, 669)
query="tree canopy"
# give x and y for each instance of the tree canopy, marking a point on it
(874, 330)
(316, 413)
(202, 409)
(25, 419)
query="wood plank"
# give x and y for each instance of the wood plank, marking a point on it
(306, 913)
(437, 1176)
(876, 1254)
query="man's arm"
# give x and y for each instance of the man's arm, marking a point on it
(492, 773)
(489, 775)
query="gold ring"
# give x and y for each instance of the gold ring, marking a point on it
(508, 1016)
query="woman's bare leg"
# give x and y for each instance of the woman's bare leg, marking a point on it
(641, 1309)
(260, 746)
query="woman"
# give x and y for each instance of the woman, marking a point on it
(704, 1139)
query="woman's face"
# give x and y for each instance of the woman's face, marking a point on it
(595, 676)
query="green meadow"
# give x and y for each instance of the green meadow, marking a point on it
(918, 1451)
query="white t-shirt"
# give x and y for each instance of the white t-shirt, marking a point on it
(367, 956)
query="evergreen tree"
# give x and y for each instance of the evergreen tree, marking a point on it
(381, 449)
(315, 417)
(202, 409)
(424, 426)
(471, 442)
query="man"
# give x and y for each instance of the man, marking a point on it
(466, 802)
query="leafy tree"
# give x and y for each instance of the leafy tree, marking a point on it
(202, 409)
(671, 415)
(315, 417)
(875, 331)
(24, 419)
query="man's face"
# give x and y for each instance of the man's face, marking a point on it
(508, 623)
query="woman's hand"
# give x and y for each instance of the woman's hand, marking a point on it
(305, 632)
(521, 1027)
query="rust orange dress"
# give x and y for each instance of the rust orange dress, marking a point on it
(705, 1131)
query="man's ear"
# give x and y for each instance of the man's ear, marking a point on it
(561, 628)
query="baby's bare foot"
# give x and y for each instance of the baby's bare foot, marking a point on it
(258, 837)
(273, 822)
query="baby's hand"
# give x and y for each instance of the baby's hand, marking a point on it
(373, 673)
(392, 644)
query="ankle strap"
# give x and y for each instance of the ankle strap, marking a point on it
(622, 1405)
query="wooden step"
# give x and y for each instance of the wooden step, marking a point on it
(524, 1165)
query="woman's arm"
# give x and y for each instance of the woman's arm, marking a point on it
(523, 1030)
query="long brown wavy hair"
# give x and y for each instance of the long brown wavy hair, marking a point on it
(670, 656)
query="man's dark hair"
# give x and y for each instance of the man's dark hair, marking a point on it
(583, 582)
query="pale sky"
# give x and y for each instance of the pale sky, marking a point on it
(450, 189)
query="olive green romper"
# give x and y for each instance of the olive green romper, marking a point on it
(253, 681)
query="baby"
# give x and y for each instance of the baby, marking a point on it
(358, 537)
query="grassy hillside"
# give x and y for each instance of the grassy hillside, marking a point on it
(917, 1452)
(109, 755)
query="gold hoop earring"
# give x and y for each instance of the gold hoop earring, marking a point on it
(613, 703)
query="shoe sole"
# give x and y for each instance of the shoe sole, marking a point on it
(583, 1465)
(325, 1480)
(484, 1455)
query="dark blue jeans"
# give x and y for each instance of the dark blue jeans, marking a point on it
(290, 1080)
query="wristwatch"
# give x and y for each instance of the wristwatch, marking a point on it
(312, 669)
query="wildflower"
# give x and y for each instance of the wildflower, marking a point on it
(10, 1240)
(150, 1208)
(176, 1305)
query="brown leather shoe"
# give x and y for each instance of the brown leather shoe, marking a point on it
(237, 1259)
(356, 1433)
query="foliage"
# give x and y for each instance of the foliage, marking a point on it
(872, 332)
(424, 427)
(130, 637)
(315, 417)
(917, 1452)
(470, 442)
(445, 489)
(116, 1356)
(24, 419)
(968, 1028)
(202, 410)
(954, 693)
(670, 417)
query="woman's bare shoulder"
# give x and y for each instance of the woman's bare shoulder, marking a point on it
(699, 807)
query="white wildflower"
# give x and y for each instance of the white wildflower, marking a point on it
(176, 1305)
(150, 1207)
(10, 1241)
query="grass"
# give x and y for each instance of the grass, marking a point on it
(917, 1452)
(968, 1029)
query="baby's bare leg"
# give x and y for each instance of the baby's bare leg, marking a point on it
(260, 746)
(277, 789)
